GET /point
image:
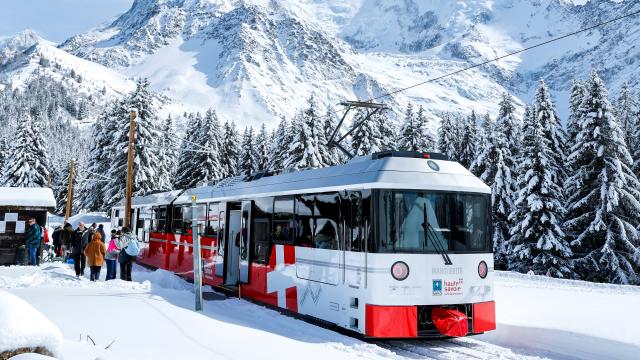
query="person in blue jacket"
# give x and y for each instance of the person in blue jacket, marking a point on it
(33, 240)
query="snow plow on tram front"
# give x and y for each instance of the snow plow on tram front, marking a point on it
(391, 245)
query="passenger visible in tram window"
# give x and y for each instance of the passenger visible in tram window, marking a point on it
(277, 233)
(326, 237)
(303, 234)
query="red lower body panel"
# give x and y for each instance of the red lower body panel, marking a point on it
(391, 321)
(484, 317)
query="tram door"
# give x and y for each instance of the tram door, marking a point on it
(355, 251)
(233, 247)
(245, 241)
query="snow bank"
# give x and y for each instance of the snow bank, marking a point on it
(16, 196)
(25, 327)
(162, 279)
(568, 318)
(31, 357)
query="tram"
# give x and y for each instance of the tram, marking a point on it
(390, 245)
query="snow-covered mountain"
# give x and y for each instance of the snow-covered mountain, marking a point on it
(26, 56)
(258, 60)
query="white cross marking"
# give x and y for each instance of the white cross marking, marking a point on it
(281, 278)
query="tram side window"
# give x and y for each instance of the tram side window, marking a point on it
(366, 220)
(356, 237)
(177, 219)
(212, 220)
(260, 242)
(326, 217)
(283, 220)
(304, 221)
(159, 223)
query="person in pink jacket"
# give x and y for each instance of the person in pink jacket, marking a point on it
(111, 256)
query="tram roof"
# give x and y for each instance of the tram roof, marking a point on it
(160, 198)
(360, 173)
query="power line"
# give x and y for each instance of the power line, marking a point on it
(504, 56)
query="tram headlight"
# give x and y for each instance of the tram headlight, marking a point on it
(483, 269)
(400, 270)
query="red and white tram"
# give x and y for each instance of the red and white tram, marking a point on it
(392, 245)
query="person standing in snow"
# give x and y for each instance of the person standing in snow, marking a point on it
(129, 249)
(33, 240)
(530, 272)
(112, 256)
(100, 229)
(77, 249)
(67, 236)
(95, 252)
(57, 240)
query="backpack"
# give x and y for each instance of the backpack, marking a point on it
(133, 248)
(113, 248)
(39, 234)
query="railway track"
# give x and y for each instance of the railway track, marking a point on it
(449, 349)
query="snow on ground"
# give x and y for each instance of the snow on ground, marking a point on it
(152, 319)
(570, 318)
(25, 327)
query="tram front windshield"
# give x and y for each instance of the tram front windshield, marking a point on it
(458, 222)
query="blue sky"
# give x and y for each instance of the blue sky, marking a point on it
(57, 20)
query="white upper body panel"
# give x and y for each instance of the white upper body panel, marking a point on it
(360, 173)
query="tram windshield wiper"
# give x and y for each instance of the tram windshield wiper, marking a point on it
(429, 233)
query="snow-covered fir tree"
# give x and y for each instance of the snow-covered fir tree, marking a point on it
(206, 150)
(485, 128)
(496, 167)
(28, 162)
(188, 163)
(167, 154)
(545, 111)
(415, 135)
(537, 240)
(447, 136)
(263, 143)
(146, 174)
(248, 158)
(634, 143)
(102, 133)
(305, 149)
(366, 139)
(335, 156)
(4, 150)
(578, 91)
(282, 138)
(603, 203)
(386, 129)
(626, 112)
(469, 140)
(60, 184)
(230, 153)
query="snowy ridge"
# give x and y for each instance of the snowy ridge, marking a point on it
(256, 61)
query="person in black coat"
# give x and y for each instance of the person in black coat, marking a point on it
(57, 240)
(100, 229)
(77, 249)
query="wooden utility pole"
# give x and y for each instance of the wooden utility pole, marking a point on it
(67, 213)
(128, 190)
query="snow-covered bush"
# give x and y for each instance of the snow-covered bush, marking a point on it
(24, 329)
